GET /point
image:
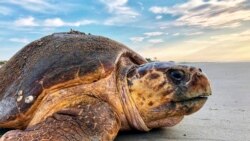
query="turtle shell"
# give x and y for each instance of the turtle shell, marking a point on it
(55, 61)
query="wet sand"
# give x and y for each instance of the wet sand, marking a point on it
(225, 116)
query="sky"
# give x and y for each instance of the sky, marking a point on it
(176, 30)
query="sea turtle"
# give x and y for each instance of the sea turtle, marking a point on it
(73, 86)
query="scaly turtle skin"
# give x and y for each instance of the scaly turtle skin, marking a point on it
(72, 86)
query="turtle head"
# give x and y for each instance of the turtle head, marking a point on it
(165, 92)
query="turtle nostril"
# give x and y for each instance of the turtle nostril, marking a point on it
(177, 75)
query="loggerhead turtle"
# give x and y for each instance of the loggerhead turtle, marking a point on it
(72, 86)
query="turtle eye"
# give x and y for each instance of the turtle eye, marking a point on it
(177, 75)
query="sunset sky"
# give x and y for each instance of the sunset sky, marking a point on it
(178, 30)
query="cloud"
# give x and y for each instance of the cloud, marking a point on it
(159, 10)
(51, 22)
(223, 48)
(32, 5)
(193, 33)
(152, 34)
(148, 35)
(121, 13)
(19, 40)
(5, 11)
(119, 7)
(210, 13)
(187, 33)
(27, 21)
(141, 5)
(243, 36)
(119, 20)
(137, 39)
(155, 41)
(57, 22)
(176, 34)
(41, 6)
(158, 17)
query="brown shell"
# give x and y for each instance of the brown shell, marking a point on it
(57, 59)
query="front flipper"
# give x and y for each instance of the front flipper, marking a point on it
(89, 122)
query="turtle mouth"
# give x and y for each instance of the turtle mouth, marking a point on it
(195, 99)
(183, 107)
(202, 96)
(191, 105)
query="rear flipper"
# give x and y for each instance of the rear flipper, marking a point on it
(95, 121)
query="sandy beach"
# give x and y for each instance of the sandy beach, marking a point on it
(225, 116)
